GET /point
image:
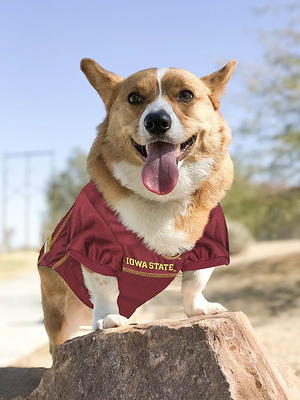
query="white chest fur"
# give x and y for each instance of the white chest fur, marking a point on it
(152, 217)
(154, 222)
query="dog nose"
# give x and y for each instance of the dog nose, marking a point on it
(157, 122)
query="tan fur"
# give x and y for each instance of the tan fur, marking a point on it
(204, 199)
(217, 82)
(97, 168)
(211, 192)
(201, 116)
(63, 311)
(101, 79)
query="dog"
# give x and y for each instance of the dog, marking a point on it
(158, 168)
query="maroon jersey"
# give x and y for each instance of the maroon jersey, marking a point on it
(92, 235)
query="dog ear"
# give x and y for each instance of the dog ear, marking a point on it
(217, 82)
(105, 82)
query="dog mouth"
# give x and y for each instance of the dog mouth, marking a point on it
(160, 172)
(183, 149)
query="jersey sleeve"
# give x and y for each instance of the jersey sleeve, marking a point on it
(90, 240)
(212, 249)
(53, 250)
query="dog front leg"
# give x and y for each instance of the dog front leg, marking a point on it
(104, 294)
(194, 303)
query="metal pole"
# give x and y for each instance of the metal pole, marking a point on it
(27, 155)
(27, 202)
(3, 203)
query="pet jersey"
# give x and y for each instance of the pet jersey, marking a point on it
(92, 235)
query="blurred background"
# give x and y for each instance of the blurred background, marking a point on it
(49, 114)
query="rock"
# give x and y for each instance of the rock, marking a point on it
(206, 358)
(240, 237)
(19, 381)
(291, 379)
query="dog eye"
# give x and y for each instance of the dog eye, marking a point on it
(185, 95)
(135, 98)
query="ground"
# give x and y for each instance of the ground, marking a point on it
(264, 283)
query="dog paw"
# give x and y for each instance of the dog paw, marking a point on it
(111, 321)
(203, 307)
(214, 308)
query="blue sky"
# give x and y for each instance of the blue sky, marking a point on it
(46, 102)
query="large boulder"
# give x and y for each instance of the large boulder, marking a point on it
(206, 358)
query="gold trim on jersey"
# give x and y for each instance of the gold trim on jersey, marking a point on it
(60, 261)
(149, 274)
(177, 256)
(51, 239)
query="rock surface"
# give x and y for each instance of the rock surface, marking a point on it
(206, 358)
(19, 381)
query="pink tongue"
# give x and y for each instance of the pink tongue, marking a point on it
(160, 171)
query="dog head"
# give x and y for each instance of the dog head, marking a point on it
(163, 134)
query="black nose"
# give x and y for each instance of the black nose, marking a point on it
(157, 122)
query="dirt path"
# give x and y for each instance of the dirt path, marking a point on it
(17, 264)
(21, 322)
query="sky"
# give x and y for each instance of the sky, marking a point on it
(46, 102)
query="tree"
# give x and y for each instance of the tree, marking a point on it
(274, 119)
(266, 193)
(63, 189)
(267, 211)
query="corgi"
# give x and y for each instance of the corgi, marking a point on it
(158, 168)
